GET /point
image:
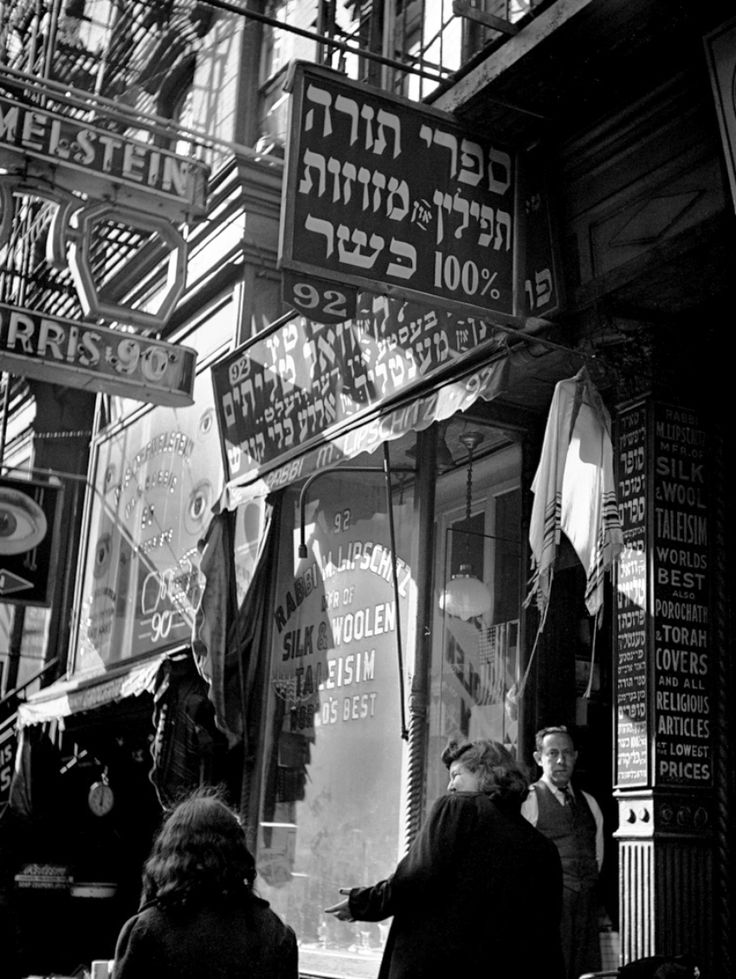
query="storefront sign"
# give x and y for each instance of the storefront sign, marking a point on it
(43, 877)
(720, 47)
(664, 669)
(683, 666)
(541, 276)
(100, 163)
(381, 190)
(156, 479)
(301, 382)
(29, 513)
(95, 358)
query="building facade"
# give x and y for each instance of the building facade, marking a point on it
(303, 580)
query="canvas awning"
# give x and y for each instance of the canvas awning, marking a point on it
(70, 696)
(521, 376)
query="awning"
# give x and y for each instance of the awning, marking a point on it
(513, 377)
(66, 697)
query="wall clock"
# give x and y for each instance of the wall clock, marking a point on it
(101, 798)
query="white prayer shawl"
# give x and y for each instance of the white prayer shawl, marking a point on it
(574, 492)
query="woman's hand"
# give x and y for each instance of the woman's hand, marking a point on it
(341, 910)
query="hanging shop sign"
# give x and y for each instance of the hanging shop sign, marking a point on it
(100, 163)
(84, 355)
(301, 382)
(29, 514)
(539, 271)
(720, 48)
(156, 478)
(381, 190)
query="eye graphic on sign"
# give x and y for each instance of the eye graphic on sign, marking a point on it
(198, 506)
(207, 422)
(103, 553)
(22, 522)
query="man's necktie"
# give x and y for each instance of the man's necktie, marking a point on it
(569, 798)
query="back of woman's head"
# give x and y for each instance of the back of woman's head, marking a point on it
(200, 854)
(500, 776)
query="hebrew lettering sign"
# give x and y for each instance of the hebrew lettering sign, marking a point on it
(632, 630)
(385, 194)
(302, 382)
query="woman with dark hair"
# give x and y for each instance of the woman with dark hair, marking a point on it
(477, 894)
(199, 917)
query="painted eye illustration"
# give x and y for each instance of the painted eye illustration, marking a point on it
(110, 476)
(22, 522)
(207, 422)
(103, 553)
(198, 506)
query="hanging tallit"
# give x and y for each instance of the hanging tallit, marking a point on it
(574, 492)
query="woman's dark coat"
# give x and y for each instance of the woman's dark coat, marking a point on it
(238, 939)
(478, 894)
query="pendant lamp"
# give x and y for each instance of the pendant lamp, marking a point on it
(465, 595)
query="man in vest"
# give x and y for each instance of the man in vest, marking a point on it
(572, 819)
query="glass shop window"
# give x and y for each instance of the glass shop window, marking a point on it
(334, 755)
(475, 654)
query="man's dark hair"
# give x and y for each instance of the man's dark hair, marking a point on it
(553, 729)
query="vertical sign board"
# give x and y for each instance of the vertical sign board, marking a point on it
(539, 268)
(632, 661)
(29, 512)
(381, 192)
(682, 656)
(663, 661)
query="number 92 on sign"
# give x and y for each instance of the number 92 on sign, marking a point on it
(318, 300)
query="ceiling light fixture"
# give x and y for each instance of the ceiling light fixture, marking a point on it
(466, 596)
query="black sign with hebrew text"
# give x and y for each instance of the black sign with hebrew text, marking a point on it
(387, 195)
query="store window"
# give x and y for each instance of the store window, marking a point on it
(156, 472)
(334, 755)
(475, 652)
